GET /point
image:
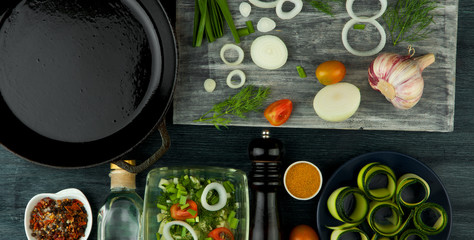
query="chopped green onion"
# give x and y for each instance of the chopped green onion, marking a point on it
(161, 206)
(231, 216)
(183, 232)
(214, 200)
(243, 32)
(190, 220)
(359, 26)
(182, 200)
(250, 26)
(191, 211)
(199, 193)
(208, 238)
(301, 71)
(234, 223)
(229, 187)
(173, 197)
(184, 206)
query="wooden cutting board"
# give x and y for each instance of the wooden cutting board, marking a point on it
(313, 37)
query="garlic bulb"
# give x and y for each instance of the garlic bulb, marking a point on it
(399, 78)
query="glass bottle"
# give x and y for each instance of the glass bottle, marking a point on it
(265, 181)
(120, 216)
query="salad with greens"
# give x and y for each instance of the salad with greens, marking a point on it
(197, 208)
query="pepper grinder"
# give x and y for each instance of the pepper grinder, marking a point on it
(266, 155)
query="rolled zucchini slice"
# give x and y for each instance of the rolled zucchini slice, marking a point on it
(340, 234)
(413, 234)
(430, 218)
(337, 209)
(373, 172)
(405, 183)
(385, 218)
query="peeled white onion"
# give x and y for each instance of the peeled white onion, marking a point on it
(241, 75)
(291, 14)
(262, 4)
(230, 46)
(337, 102)
(269, 52)
(209, 85)
(265, 24)
(167, 227)
(222, 197)
(245, 9)
(377, 49)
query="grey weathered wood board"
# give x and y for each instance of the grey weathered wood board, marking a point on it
(313, 37)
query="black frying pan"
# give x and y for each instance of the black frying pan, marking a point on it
(83, 82)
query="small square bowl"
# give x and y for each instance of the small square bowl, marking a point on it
(70, 193)
(237, 177)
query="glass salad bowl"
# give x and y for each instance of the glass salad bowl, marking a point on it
(155, 193)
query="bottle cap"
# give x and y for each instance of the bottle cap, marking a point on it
(114, 166)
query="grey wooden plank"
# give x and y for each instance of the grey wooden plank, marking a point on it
(312, 38)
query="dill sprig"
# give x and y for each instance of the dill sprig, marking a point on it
(408, 20)
(323, 5)
(247, 100)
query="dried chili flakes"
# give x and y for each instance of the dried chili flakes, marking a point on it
(64, 219)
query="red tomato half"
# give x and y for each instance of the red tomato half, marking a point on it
(183, 214)
(221, 233)
(303, 232)
(279, 112)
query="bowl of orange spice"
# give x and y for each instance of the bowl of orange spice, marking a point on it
(303, 180)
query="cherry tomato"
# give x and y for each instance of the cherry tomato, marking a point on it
(303, 232)
(183, 214)
(278, 112)
(330, 72)
(221, 233)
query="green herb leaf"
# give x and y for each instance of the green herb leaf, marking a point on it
(247, 100)
(324, 5)
(408, 20)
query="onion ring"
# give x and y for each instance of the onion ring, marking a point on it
(233, 73)
(362, 19)
(377, 49)
(222, 196)
(166, 229)
(245, 9)
(209, 85)
(265, 24)
(230, 46)
(261, 4)
(291, 14)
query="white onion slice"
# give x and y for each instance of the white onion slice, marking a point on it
(365, 19)
(222, 197)
(269, 52)
(245, 9)
(209, 85)
(230, 46)
(262, 4)
(241, 74)
(377, 49)
(265, 24)
(166, 229)
(291, 14)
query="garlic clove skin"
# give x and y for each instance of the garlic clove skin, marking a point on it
(399, 78)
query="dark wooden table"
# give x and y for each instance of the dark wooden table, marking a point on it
(450, 155)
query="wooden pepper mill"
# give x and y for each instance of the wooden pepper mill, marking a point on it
(266, 155)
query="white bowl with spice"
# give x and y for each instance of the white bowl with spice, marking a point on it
(46, 211)
(303, 180)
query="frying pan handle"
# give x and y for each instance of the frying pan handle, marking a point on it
(165, 145)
